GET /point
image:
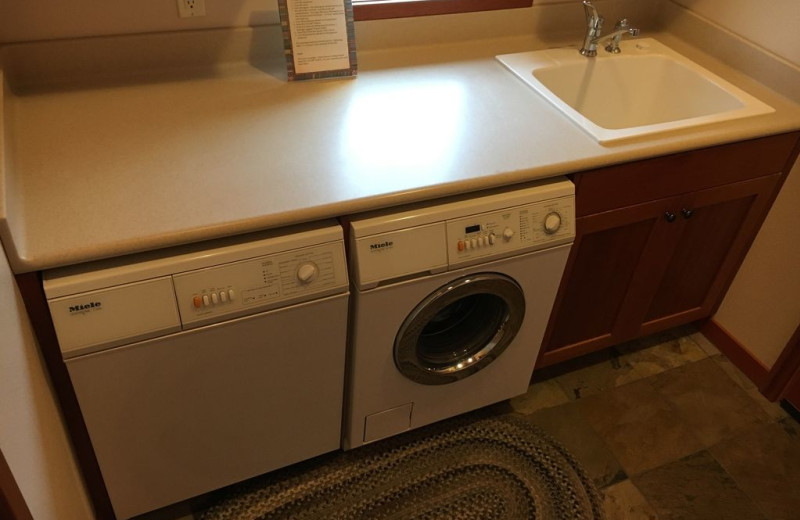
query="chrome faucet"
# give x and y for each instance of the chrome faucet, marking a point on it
(594, 27)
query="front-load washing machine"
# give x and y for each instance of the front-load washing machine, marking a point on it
(450, 303)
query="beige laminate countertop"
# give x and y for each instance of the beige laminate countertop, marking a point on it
(116, 167)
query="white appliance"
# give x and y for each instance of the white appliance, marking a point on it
(205, 365)
(450, 303)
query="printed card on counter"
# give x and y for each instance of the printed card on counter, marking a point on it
(319, 38)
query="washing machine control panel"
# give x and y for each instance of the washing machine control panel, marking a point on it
(511, 230)
(258, 284)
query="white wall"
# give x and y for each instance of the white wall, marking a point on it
(772, 24)
(32, 435)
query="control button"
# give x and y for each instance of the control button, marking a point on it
(552, 222)
(206, 300)
(197, 301)
(223, 296)
(307, 272)
(460, 245)
(491, 238)
(473, 242)
(214, 298)
(467, 244)
(481, 241)
(508, 233)
(231, 294)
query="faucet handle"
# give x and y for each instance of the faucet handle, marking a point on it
(593, 18)
(623, 25)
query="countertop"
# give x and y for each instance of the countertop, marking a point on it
(124, 165)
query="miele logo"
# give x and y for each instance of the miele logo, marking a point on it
(84, 307)
(381, 246)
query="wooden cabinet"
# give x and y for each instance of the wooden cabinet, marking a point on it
(659, 241)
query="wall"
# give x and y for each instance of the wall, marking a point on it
(26, 20)
(31, 20)
(762, 309)
(32, 435)
(772, 24)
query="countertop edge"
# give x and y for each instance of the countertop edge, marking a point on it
(21, 264)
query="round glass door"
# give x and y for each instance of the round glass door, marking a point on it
(459, 329)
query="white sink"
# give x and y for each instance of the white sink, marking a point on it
(648, 88)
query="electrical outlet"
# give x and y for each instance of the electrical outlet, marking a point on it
(190, 8)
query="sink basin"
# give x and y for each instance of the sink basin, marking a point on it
(648, 88)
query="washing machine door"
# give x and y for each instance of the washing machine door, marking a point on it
(459, 329)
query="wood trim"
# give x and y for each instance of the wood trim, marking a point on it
(30, 287)
(783, 369)
(735, 352)
(559, 355)
(677, 174)
(12, 503)
(377, 10)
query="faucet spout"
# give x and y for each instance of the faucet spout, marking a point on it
(594, 26)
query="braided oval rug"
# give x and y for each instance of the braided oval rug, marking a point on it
(468, 468)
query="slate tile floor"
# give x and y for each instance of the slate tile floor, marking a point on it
(668, 429)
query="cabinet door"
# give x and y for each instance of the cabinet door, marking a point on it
(717, 227)
(601, 273)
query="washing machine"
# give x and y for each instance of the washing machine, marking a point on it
(450, 302)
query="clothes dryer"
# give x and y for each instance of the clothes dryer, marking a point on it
(450, 304)
(207, 364)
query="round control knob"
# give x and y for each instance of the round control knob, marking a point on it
(552, 222)
(307, 272)
(508, 233)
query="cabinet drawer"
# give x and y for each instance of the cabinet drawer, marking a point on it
(623, 185)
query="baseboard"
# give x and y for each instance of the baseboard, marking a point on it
(735, 352)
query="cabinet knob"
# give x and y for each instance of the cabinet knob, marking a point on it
(687, 213)
(670, 216)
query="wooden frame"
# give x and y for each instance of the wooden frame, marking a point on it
(377, 10)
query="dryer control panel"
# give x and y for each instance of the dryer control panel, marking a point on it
(517, 229)
(260, 283)
(115, 302)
